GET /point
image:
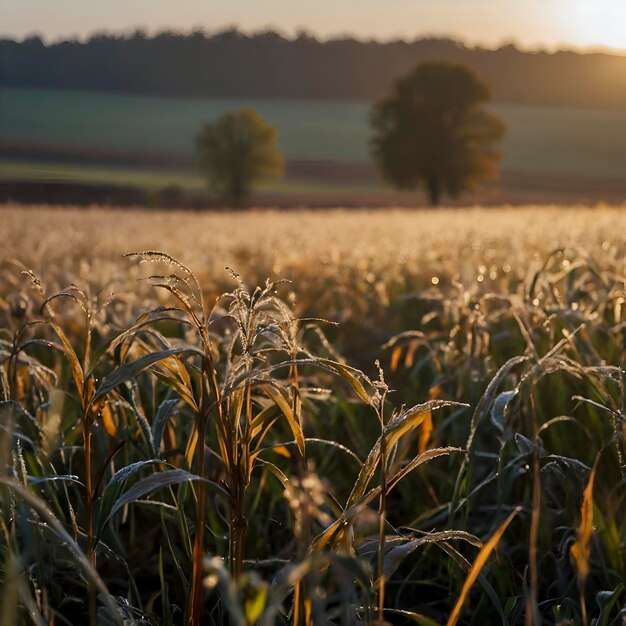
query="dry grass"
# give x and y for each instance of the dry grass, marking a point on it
(325, 493)
(276, 244)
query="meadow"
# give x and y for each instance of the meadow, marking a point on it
(540, 140)
(371, 417)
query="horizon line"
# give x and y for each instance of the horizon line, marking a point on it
(504, 42)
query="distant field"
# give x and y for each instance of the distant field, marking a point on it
(308, 130)
(310, 246)
(157, 178)
(563, 142)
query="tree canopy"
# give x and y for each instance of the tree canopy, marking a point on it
(236, 151)
(431, 130)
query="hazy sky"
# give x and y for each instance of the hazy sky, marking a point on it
(587, 23)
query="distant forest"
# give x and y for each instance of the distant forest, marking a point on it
(267, 65)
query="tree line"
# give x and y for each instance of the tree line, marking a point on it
(233, 64)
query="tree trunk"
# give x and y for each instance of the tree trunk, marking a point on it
(434, 190)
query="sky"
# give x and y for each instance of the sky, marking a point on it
(529, 23)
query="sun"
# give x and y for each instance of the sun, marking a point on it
(600, 22)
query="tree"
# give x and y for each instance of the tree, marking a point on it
(431, 130)
(236, 151)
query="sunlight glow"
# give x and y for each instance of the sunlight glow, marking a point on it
(600, 22)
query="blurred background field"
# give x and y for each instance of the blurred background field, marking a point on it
(381, 255)
(550, 153)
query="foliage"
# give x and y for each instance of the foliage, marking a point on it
(430, 129)
(487, 488)
(236, 151)
(203, 65)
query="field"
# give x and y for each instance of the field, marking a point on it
(419, 419)
(149, 141)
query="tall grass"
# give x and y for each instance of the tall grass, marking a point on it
(194, 449)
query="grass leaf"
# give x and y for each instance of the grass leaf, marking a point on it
(130, 370)
(479, 563)
(147, 485)
(279, 399)
(402, 424)
(579, 550)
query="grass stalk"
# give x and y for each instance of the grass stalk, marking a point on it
(196, 600)
(209, 391)
(382, 514)
(89, 504)
(532, 617)
(379, 407)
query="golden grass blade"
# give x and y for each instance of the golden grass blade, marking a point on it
(131, 370)
(426, 430)
(337, 530)
(179, 387)
(399, 426)
(191, 446)
(395, 358)
(579, 550)
(75, 366)
(108, 421)
(350, 375)
(283, 404)
(479, 563)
